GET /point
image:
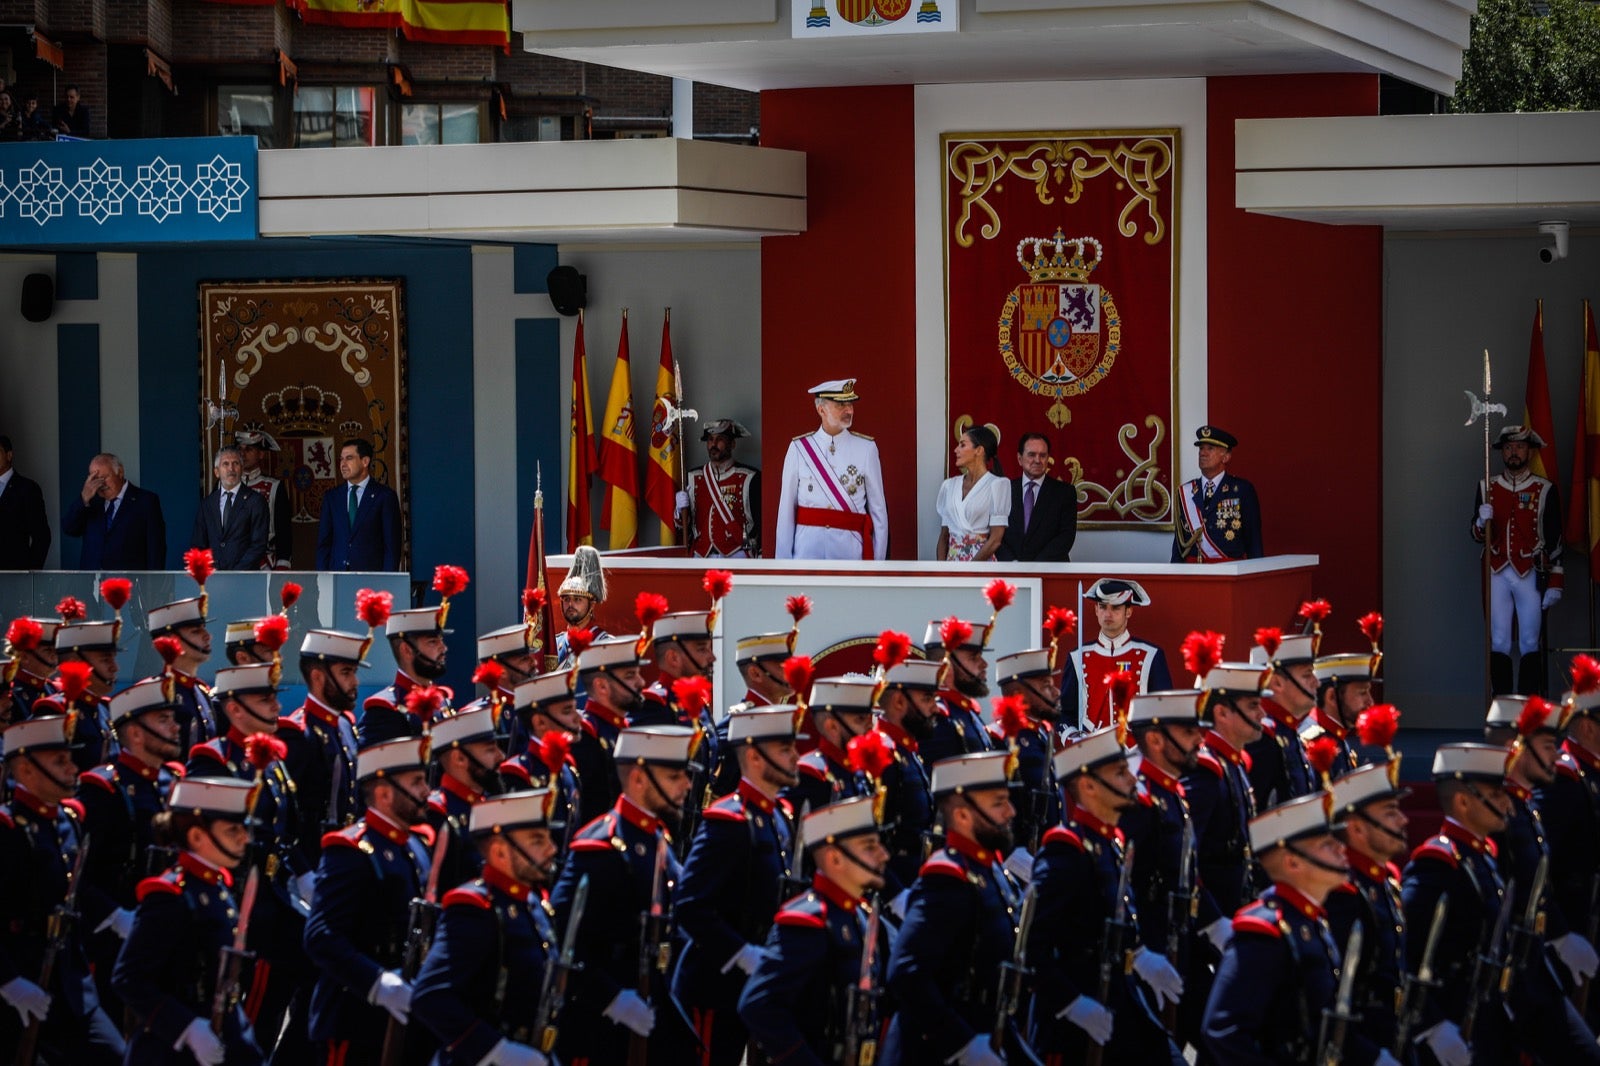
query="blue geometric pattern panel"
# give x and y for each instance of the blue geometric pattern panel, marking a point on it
(128, 192)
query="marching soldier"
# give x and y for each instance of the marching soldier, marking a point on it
(512, 650)
(682, 646)
(760, 659)
(547, 712)
(1027, 675)
(1571, 805)
(479, 989)
(804, 1004)
(241, 648)
(41, 835)
(1085, 693)
(94, 643)
(1220, 799)
(322, 758)
(467, 752)
(172, 968)
(841, 710)
(416, 637)
(1219, 516)
(959, 729)
(255, 445)
(32, 643)
(583, 589)
(831, 504)
(909, 707)
(185, 622)
(1344, 690)
(1279, 769)
(722, 499)
(626, 854)
(1086, 910)
(360, 921)
(733, 881)
(960, 922)
(610, 672)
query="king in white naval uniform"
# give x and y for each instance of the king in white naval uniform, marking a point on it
(831, 505)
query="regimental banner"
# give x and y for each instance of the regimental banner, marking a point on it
(860, 18)
(1061, 292)
(122, 192)
(313, 363)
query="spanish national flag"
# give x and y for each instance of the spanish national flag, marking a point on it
(619, 459)
(581, 460)
(436, 21)
(661, 475)
(1583, 509)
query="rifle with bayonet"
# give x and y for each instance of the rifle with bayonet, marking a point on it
(655, 947)
(1182, 903)
(1527, 936)
(1013, 972)
(230, 967)
(557, 975)
(861, 1011)
(1487, 966)
(1336, 1019)
(794, 880)
(1414, 988)
(423, 920)
(1115, 958)
(58, 928)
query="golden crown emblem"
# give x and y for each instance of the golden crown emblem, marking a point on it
(1050, 261)
(301, 408)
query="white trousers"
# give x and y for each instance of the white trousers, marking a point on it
(1512, 593)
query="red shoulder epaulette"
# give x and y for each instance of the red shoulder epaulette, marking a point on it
(801, 919)
(1438, 848)
(378, 700)
(209, 749)
(726, 809)
(75, 806)
(1392, 870)
(466, 897)
(588, 727)
(424, 833)
(348, 837)
(1144, 798)
(1488, 845)
(1269, 727)
(1567, 766)
(152, 885)
(1247, 922)
(1060, 834)
(814, 771)
(176, 769)
(436, 803)
(785, 806)
(512, 768)
(285, 722)
(590, 845)
(1211, 762)
(1249, 763)
(1347, 887)
(95, 777)
(944, 867)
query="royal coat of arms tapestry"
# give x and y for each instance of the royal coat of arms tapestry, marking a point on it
(1061, 293)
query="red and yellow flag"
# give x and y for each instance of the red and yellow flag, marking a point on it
(661, 474)
(581, 460)
(1583, 511)
(437, 21)
(619, 459)
(1536, 403)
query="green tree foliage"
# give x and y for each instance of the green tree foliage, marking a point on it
(1531, 57)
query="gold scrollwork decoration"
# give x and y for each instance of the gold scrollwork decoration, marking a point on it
(1140, 495)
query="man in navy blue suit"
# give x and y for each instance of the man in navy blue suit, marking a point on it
(232, 520)
(360, 526)
(120, 523)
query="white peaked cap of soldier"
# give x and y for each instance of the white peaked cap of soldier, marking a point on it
(213, 797)
(775, 722)
(553, 687)
(392, 756)
(177, 613)
(1292, 649)
(1305, 816)
(841, 694)
(921, 674)
(331, 645)
(139, 698)
(1240, 679)
(1096, 749)
(1345, 667)
(463, 727)
(657, 745)
(246, 679)
(514, 810)
(978, 770)
(1470, 762)
(839, 821)
(610, 654)
(1173, 707)
(414, 620)
(512, 640)
(87, 635)
(1367, 783)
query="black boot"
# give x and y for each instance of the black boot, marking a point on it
(1500, 673)
(1530, 674)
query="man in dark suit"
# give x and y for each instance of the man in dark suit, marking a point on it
(232, 520)
(360, 525)
(1044, 510)
(1219, 517)
(24, 529)
(120, 523)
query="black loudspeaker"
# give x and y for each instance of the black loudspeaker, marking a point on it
(569, 290)
(38, 297)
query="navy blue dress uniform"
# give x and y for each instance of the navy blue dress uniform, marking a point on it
(1222, 804)
(1279, 769)
(39, 844)
(959, 727)
(731, 888)
(93, 741)
(960, 925)
(542, 761)
(595, 748)
(359, 926)
(27, 647)
(384, 714)
(322, 760)
(908, 785)
(452, 802)
(1219, 518)
(1039, 804)
(825, 773)
(1077, 876)
(796, 1004)
(478, 990)
(183, 620)
(168, 971)
(619, 852)
(1571, 805)
(1338, 671)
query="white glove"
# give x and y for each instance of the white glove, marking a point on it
(1385, 1059)
(510, 1053)
(1090, 1016)
(1219, 933)
(203, 1044)
(119, 921)
(1577, 955)
(1551, 598)
(1444, 1040)
(897, 906)
(1485, 513)
(680, 502)
(391, 992)
(1020, 865)
(746, 959)
(631, 1012)
(976, 1052)
(30, 1001)
(305, 885)
(1155, 971)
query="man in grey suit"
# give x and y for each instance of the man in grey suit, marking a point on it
(1044, 510)
(232, 520)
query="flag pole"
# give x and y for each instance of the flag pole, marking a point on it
(544, 623)
(1583, 442)
(1488, 543)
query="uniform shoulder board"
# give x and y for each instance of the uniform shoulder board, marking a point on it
(863, 436)
(1211, 763)
(1269, 726)
(72, 807)
(1249, 763)
(1256, 918)
(209, 750)
(1568, 767)
(436, 803)
(348, 837)
(1348, 888)
(1144, 799)
(176, 769)
(1060, 834)
(513, 768)
(289, 723)
(1440, 848)
(943, 867)
(466, 896)
(726, 809)
(590, 844)
(588, 727)
(800, 436)
(1488, 845)
(424, 833)
(382, 700)
(101, 776)
(810, 768)
(805, 913)
(162, 885)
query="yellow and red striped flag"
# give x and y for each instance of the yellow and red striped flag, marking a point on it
(581, 459)
(661, 475)
(1583, 511)
(619, 459)
(1536, 403)
(435, 21)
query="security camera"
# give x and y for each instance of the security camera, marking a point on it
(1555, 245)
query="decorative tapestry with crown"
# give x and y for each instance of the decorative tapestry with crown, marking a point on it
(312, 363)
(1061, 294)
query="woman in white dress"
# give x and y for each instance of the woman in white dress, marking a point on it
(975, 505)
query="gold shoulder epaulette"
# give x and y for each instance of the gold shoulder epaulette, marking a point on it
(800, 436)
(863, 436)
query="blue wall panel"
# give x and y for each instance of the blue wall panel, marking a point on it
(539, 429)
(78, 435)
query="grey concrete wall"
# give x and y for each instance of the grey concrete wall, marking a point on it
(1447, 298)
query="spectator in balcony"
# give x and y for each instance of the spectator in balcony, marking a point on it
(10, 121)
(24, 529)
(34, 122)
(120, 523)
(232, 520)
(360, 526)
(72, 114)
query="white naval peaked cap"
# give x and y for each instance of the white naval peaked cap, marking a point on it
(773, 722)
(1470, 762)
(657, 745)
(853, 817)
(1087, 752)
(682, 625)
(241, 632)
(1344, 667)
(918, 674)
(611, 653)
(392, 756)
(1293, 649)
(140, 697)
(1504, 712)
(44, 733)
(1242, 679)
(177, 613)
(214, 797)
(1554, 719)
(512, 640)
(841, 694)
(48, 628)
(87, 635)
(1304, 816)
(513, 810)
(759, 646)
(414, 620)
(251, 677)
(1367, 783)
(332, 645)
(1116, 591)
(1172, 707)
(978, 770)
(842, 390)
(466, 725)
(553, 687)
(1034, 662)
(933, 639)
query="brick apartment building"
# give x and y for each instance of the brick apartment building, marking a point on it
(174, 68)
